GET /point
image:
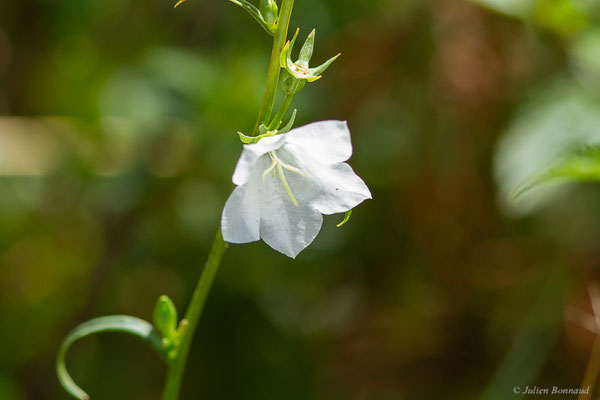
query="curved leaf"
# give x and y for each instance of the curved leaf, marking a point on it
(554, 119)
(256, 14)
(114, 323)
(581, 164)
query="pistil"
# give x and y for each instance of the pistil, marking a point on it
(279, 165)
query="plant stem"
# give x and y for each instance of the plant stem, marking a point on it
(285, 106)
(273, 75)
(176, 368)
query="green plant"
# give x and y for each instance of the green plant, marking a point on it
(284, 210)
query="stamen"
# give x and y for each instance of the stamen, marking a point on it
(271, 168)
(279, 165)
(292, 169)
(285, 185)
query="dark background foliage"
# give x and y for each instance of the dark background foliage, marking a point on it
(117, 144)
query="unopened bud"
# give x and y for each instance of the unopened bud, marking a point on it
(270, 12)
(165, 317)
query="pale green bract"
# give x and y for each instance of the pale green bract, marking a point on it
(285, 183)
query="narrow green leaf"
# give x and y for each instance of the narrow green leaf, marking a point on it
(252, 10)
(114, 323)
(582, 164)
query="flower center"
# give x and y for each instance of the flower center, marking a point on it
(278, 165)
(302, 70)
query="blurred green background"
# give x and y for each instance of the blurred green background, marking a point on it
(117, 145)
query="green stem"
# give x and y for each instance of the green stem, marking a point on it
(274, 68)
(176, 367)
(283, 109)
(192, 316)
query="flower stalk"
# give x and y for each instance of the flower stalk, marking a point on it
(285, 106)
(279, 41)
(326, 185)
(176, 366)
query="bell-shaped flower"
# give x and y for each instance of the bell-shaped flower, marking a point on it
(287, 181)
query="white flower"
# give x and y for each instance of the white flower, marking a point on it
(284, 184)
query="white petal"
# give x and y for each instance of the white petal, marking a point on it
(240, 222)
(330, 189)
(328, 141)
(251, 154)
(261, 207)
(283, 226)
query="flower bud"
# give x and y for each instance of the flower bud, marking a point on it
(270, 12)
(165, 317)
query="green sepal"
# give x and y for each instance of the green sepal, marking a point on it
(165, 317)
(290, 123)
(286, 57)
(306, 51)
(246, 139)
(114, 323)
(253, 139)
(265, 132)
(300, 69)
(321, 68)
(346, 218)
(256, 14)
